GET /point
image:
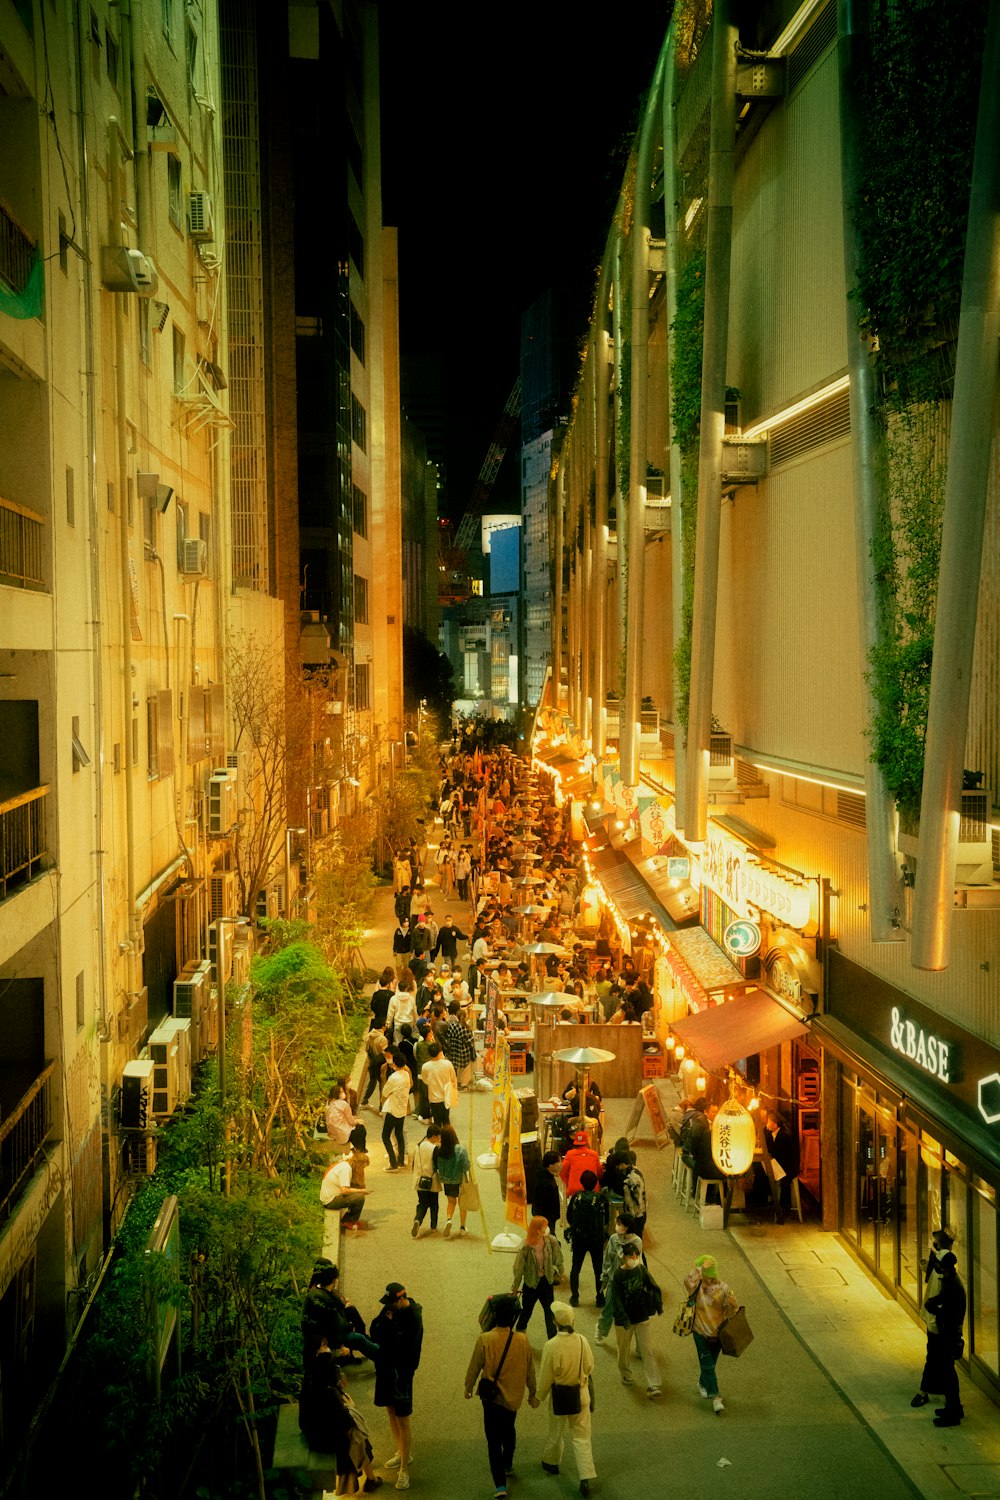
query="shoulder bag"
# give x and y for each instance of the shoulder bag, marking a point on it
(566, 1398)
(488, 1390)
(684, 1321)
(735, 1334)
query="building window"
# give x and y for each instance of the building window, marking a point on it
(357, 334)
(111, 54)
(167, 20)
(362, 698)
(360, 511)
(360, 600)
(359, 423)
(355, 243)
(354, 155)
(191, 49)
(174, 189)
(178, 361)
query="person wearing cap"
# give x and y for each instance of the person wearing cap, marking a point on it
(944, 1315)
(568, 1359)
(398, 1330)
(580, 1158)
(502, 1355)
(714, 1302)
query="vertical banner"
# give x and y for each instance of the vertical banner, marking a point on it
(490, 1028)
(516, 1207)
(501, 1094)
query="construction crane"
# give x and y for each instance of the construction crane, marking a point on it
(465, 536)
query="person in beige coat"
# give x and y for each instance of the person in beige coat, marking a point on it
(568, 1359)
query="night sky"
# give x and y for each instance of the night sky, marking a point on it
(505, 132)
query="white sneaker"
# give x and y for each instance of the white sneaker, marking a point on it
(402, 1480)
(599, 1336)
(392, 1463)
(447, 1230)
(702, 1392)
(717, 1405)
(653, 1392)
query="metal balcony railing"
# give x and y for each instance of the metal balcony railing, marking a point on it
(22, 839)
(23, 1135)
(21, 535)
(17, 251)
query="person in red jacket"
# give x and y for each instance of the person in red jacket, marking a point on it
(580, 1158)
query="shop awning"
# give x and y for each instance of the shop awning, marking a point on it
(626, 887)
(751, 1023)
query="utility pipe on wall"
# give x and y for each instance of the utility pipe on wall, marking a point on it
(885, 897)
(713, 415)
(557, 583)
(586, 475)
(600, 386)
(969, 452)
(638, 458)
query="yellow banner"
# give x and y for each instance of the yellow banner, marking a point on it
(501, 1093)
(516, 1207)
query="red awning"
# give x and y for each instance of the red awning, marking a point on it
(750, 1023)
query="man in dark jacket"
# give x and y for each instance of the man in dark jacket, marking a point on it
(696, 1143)
(448, 939)
(399, 1332)
(587, 1215)
(544, 1190)
(635, 1299)
(944, 1314)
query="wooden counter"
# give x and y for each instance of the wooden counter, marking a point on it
(621, 1079)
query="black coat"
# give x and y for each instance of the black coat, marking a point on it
(400, 1338)
(545, 1196)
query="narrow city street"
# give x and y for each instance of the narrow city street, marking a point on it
(818, 1405)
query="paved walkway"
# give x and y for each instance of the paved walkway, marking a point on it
(818, 1406)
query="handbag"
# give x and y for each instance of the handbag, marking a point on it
(735, 1334)
(566, 1398)
(425, 1184)
(488, 1390)
(468, 1195)
(684, 1321)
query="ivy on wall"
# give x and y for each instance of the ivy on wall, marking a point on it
(919, 93)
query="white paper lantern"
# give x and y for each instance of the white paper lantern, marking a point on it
(734, 1139)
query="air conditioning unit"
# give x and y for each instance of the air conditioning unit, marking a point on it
(193, 557)
(271, 902)
(227, 951)
(137, 1095)
(240, 976)
(200, 220)
(236, 761)
(222, 807)
(191, 992)
(222, 894)
(125, 270)
(164, 1052)
(744, 461)
(180, 1028)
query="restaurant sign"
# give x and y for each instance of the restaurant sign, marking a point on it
(747, 885)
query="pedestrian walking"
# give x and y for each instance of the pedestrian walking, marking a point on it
(442, 1084)
(944, 1316)
(714, 1302)
(538, 1266)
(587, 1222)
(428, 1181)
(635, 1299)
(399, 1332)
(543, 1193)
(614, 1251)
(567, 1363)
(395, 1107)
(580, 1158)
(402, 1008)
(634, 1200)
(376, 1043)
(451, 1162)
(505, 1361)
(401, 943)
(457, 1040)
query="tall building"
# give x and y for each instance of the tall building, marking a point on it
(421, 534)
(199, 498)
(789, 687)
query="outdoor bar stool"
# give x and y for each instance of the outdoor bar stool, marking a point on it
(685, 1192)
(701, 1196)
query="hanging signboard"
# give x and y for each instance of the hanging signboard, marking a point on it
(490, 1028)
(501, 1094)
(516, 1206)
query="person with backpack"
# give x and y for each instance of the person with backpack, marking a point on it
(375, 1049)
(587, 1216)
(634, 1197)
(635, 1299)
(614, 1250)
